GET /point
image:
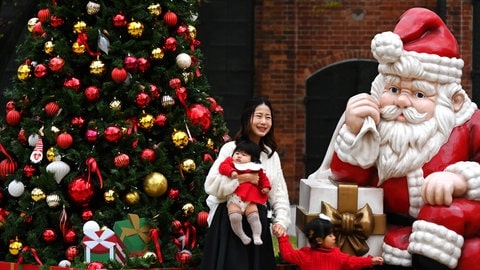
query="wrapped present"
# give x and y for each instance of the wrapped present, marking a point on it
(134, 234)
(18, 266)
(103, 246)
(356, 214)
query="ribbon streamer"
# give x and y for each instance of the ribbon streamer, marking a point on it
(2, 149)
(34, 253)
(155, 235)
(82, 40)
(93, 167)
(63, 221)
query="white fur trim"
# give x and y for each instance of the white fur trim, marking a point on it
(415, 180)
(436, 242)
(248, 166)
(387, 48)
(396, 256)
(471, 171)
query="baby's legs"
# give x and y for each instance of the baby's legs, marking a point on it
(235, 215)
(254, 220)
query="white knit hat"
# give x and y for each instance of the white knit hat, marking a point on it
(421, 34)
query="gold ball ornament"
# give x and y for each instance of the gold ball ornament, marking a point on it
(52, 153)
(97, 68)
(192, 31)
(135, 29)
(37, 194)
(48, 47)
(150, 255)
(157, 53)
(77, 48)
(31, 23)
(116, 105)
(109, 196)
(188, 209)
(188, 165)
(132, 197)
(210, 144)
(180, 139)
(93, 8)
(187, 76)
(146, 121)
(155, 9)
(155, 184)
(23, 72)
(79, 27)
(15, 247)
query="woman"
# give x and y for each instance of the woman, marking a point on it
(223, 249)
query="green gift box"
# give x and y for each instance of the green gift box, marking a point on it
(134, 234)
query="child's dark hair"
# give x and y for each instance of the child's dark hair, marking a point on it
(250, 148)
(317, 228)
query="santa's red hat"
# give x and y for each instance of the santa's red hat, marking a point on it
(421, 34)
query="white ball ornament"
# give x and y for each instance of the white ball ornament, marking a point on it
(32, 140)
(16, 188)
(59, 169)
(183, 60)
(91, 226)
(64, 263)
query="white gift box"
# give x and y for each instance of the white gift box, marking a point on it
(317, 192)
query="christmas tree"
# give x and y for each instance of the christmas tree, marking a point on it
(109, 127)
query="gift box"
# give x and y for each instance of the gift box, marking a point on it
(103, 246)
(134, 234)
(22, 266)
(362, 207)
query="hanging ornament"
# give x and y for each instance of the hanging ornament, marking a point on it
(40, 71)
(188, 165)
(119, 74)
(103, 42)
(135, 29)
(149, 255)
(130, 63)
(78, 48)
(109, 196)
(77, 121)
(170, 44)
(188, 209)
(119, 20)
(71, 253)
(10, 105)
(132, 198)
(37, 194)
(56, 64)
(93, 8)
(91, 135)
(183, 60)
(59, 169)
(95, 266)
(157, 54)
(97, 68)
(56, 21)
(121, 160)
(187, 76)
(180, 139)
(181, 30)
(13, 118)
(148, 154)
(70, 236)
(16, 188)
(112, 134)
(167, 101)
(79, 27)
(161, 120)
(170, 18)
(65, 263)
(92, 93)
(15, 247)
(31, 23)
(49, 235)
(184, 257)
(72, 83)
(23, 72)
(115, 105)
(80, 191)
(7, 167)
(37, 154)
(48, 47)
(155, 9)
(142, 99)
(155, 184)
(29, 171)
(64, 140)
(181, 94)
(146, 121)
(202, 217)
(175, 83)
(21, 137)
(192, 32)
(200, 115)
(143, 64)
(53, 200)
(52, 108)
(52, 152)
(86, 215)
(43, 15)
(174, 194)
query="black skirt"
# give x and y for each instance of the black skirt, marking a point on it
(223, 249)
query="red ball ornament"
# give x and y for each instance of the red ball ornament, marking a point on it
(213, 104)
(52, 108)
(175, 83)
(40, 71)
(174, 194)
(202, 217)
(119, 20)
(95, 266)
(56, 21)
(182, 30)
(71, 253)
(49, 235)
(72, 83)
(143, 64)
(13, 118)
(119, 74)
(154, 91)
(87, 214)
(161, 120)
(64, 140)
(43, 15)
(80, 191)
(92, 93)
(121, 160)
(170, 44)
(142, 100)
(91, 136)
(148, 154)
(7, 167)
(77, 121)
(38, 29)
(56, 64)
(29, 170)
(130, 63)
(27, 219)
(170, 18)
(112, 134)
(70, 236)
(200, 115)
(184, 257)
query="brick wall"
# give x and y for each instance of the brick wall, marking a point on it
(294, 38)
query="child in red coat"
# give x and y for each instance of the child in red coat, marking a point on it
(246, 159)
(322, 253)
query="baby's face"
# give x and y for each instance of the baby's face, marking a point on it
(241, 157)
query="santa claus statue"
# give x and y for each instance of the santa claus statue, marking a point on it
(417, 136)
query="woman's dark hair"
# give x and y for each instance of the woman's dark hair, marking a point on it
(250, 148)
(317, 228)
(247, 113)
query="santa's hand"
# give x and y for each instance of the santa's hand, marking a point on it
(440, 188)
(358, 108)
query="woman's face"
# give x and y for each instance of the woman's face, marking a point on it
(260, 123)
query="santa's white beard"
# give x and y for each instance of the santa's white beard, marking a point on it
(407, 146)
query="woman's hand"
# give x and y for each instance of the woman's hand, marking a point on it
(278, 230)
(248, 177)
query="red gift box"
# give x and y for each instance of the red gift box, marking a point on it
(103, 246)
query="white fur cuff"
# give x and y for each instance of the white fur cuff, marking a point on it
(396, 256)
(471, 171)
(436, 242)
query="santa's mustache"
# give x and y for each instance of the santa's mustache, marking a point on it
(391, 112)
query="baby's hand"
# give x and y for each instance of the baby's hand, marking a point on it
(265, 190)
(234, 175)
(377, 261)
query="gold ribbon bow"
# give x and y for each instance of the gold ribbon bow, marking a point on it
(141, 231)
(351, 229)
